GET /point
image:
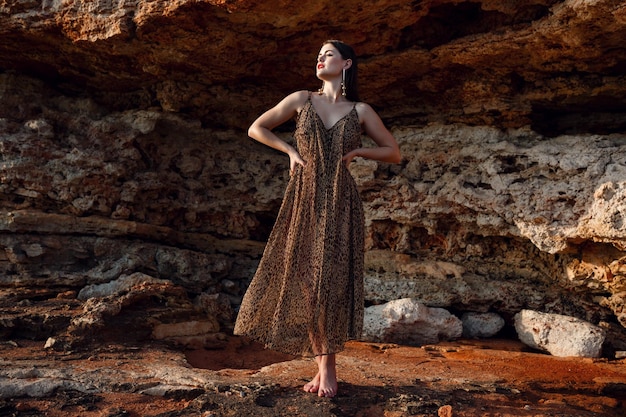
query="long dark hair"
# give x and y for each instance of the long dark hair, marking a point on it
(347, 52)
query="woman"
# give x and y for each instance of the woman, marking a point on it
(306, 297)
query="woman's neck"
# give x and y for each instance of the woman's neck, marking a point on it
(332, 92)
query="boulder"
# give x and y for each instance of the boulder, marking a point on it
(481, 325)
(407, 321)
(559, 335)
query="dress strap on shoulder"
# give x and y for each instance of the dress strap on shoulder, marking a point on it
(310, 92)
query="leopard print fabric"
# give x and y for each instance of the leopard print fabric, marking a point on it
(306, 298)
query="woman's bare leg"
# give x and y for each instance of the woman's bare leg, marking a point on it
(328, 376)
(325, 381)
(314, 384)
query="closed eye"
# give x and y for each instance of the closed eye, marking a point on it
(327, 53)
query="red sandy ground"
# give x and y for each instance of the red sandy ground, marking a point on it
(498, 378)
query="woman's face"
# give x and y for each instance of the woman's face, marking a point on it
(329, 61)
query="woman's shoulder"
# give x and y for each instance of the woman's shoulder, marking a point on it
(364, 109)
(299, 96)
(362, 106)
(297, 99)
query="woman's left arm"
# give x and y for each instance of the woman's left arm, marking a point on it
(387, 149)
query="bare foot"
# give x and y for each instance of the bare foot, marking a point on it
(328, 385)
(313, 385)
(328, 377)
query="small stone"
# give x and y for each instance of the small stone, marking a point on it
(23, 407)
(445, 411)
(66, 295)
(50, 343)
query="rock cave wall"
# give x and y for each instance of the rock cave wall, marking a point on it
(125, 158)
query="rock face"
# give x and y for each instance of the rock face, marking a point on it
(558, 65)
(123, 151)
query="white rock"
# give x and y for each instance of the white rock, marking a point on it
(142, 120)
(38, 387)
(481, 324)
(41, 126)
(559, 335)
(406, 321)
(50, 343)
(122, 284)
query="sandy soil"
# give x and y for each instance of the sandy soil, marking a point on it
(464, 379)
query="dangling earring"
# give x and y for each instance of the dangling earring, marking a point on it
(343, 83)
(321, 90)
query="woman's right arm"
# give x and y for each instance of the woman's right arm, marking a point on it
(261, 128)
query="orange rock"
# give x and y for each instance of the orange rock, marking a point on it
(445, 411)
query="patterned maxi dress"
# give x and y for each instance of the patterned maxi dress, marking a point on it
(306, 298)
